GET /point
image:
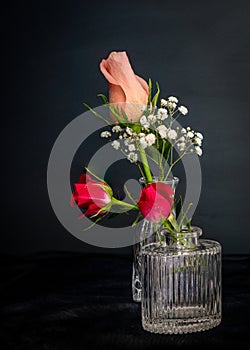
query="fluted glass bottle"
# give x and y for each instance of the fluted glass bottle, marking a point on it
(147, 232)
(181, 283)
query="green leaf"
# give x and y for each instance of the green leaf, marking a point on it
(168, 226)
(179, 206)
(106, 208)
(136, 128)
(189, 225)
(104, 98)
(184, 218)
(137, 219)
(124, 115)
(95, 222)
(106, 188)
(173, 222)
(149, 91)
(156, 96)
(116, 114)
(91, 173)
(96, 114)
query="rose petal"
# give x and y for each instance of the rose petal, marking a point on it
(124, 84)
(123, 75)
(143, 83)
(116, 94)
(156, 201)
(84, 178)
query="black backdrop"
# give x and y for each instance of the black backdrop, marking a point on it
(197, 50)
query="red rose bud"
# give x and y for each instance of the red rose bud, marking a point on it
(156, 201)
(91, 195)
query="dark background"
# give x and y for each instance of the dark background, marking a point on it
(51, 50)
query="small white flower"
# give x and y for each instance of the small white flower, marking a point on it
(199, 135)
(143, 120)
(198, 150)
(127, 141)
(143, 108)
(131, 147)
(181, 146)
(105, 134)
(181, 139)
(129, 131)
(152, 118)
(162, 130)
(162, 113)
(183, 131)
(150, 139)
(146, 126)
(183, 110)
(173, 99)
(143, 143)
(172, 105)
(132, 157)
(188, 128)
(141, 134)
(172, 134)
(164, 103)
(116, 144)
(116, 128)
(190, 134)
(198, 141)
(120, 137)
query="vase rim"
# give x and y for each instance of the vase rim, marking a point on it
(172, 179)
(195, 232)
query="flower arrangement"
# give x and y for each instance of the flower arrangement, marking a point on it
(145, 129)
(176, 275)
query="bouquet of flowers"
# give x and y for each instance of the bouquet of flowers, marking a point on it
(145, 129)
(176, 275)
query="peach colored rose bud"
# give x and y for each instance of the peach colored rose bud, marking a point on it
(126, 89)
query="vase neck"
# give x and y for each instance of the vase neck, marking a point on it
(182, 240)
(172, 182)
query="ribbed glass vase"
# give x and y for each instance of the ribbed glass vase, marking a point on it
(147, 232)
(181, 283)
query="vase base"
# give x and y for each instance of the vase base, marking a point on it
(179, 326)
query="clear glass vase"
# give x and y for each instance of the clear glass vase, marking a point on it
(147, 232)
(181, 283)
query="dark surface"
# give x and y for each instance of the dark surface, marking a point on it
(51, 50)
(74, 301)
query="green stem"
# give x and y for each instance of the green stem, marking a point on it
(185, 215)
(171, 154)
(172, 165)
(176, 161)
(129, 195)
(144, 161)
(124, 204)
(161, 160)
(142, 174)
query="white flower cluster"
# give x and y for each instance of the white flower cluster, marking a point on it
(154, 125)
(127, 140)
(171, 104)
(189, 138)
